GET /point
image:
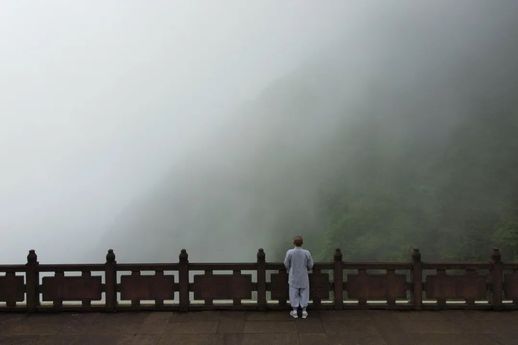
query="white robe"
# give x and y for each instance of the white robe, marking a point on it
(298, 262)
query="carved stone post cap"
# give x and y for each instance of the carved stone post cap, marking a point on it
(32, 258)
(338, 254)
(496, 256)
(110, 256)
(416, 255)
(184, 257)
(261, 256)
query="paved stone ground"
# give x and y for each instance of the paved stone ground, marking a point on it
(271, 328)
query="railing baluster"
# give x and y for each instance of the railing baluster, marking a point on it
(261, 279)
(338, 280)
(110, 281)
(208, 301)
(417, 279)
(32, 281)
(496, 279)
(183, 276)
(236, 273)
(476, 281)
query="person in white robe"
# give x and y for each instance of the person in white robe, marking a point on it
(298, 263)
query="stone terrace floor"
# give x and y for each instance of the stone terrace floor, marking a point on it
(233, 328)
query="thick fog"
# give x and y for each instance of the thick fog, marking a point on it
(222, 127)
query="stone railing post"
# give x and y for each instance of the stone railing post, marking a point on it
(183, 277)
(497, 272)
(32, 277)
(338, 280)
(417, 279)
(261, 279)
(110, 281)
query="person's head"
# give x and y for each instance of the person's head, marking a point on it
(298, 241)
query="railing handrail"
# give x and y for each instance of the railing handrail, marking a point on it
(109, 284)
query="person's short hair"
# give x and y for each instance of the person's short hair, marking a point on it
(298, 240)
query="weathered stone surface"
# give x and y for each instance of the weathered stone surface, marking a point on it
(332, 315)
(231, 326)
(261, 339)
(190, 339)
(84, 339)
(310, 325)
(362, 327)
(446, 339)
(34, 325)
(198, 316)
(339, 327)
(269, 327)
(20, 339)
(314, 339)
(192, 327)
(262, 316)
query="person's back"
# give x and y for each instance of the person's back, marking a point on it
(298, 262)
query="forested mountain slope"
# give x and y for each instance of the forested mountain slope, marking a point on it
(374, 152)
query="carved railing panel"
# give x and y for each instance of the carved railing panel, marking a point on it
(279, 286)
(222, 286)
(61, 288)
(364, 286)
(319, 286)
(143, 287)
(511, 286)
(470, 286)
(257, 285)
(12, 289)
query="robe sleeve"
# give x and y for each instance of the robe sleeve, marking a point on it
(287, 260)
(310, 262)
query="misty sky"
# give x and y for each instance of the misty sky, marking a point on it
(100, 100)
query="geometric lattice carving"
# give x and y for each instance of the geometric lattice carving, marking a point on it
(222, 286)
(60, 288)
(11, 289)
(279, 286)
(511, 286)
(363, 286)
(470, 286)
(137, 287)
(319, 285)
